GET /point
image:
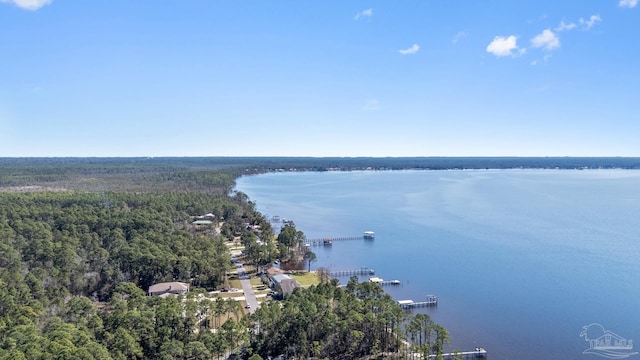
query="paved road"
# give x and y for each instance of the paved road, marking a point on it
(249, 294)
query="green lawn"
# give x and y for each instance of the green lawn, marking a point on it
(230, 295)
(306, 279)
(235, 283)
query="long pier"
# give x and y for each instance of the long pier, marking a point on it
(329, 240)
(363, 271)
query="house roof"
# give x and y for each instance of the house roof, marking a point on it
(280, 277)
(274, 271)
(287, 284)
(202, 222)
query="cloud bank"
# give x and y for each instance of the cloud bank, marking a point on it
(28, 4)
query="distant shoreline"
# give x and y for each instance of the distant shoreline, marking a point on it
(218, 175)
(268, 164)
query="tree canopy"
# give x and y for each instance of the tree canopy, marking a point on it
(75, 266)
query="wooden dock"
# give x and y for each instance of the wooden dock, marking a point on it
(368, 235)
(383, 282)
(432, 300)
(329, 240)
(478, 353)
(389, 282)
(362, 271)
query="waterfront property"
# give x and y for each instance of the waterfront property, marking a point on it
(284, 284)
(280, 282)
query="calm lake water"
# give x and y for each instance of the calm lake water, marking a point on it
(521, 260)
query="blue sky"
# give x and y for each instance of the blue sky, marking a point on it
(319, 78)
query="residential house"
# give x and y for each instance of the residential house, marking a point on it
(284, 284)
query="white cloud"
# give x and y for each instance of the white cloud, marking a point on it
(564, 26)
(503, 46)
(367, 13)
(591, 22)
(459, 36)
(28, 4)
(412, 50)
(547, 39)
(628, 3)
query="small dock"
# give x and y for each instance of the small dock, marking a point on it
(383, 282)
(478, 353)
(432, 300)
(362, 271)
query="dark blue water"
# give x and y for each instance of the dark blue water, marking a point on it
(521, 260)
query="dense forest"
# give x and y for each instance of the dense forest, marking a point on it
(67, 257)
(74, 267)
(81, 241)
(85, 243)
(330, 322)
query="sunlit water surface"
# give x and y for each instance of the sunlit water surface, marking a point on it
(521, 260)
